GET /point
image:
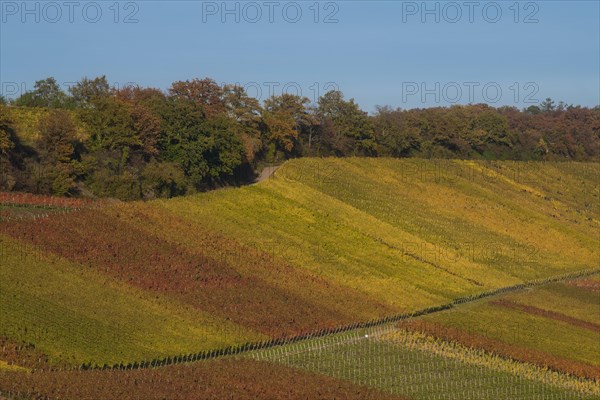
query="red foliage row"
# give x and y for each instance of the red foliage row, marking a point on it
(217, 379)
(515, 352)
(586, 284)
(22, 354)
(111, 244)
(546, 314)
(42, 201)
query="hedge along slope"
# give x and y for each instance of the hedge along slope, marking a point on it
(74, 315)
(413, 239)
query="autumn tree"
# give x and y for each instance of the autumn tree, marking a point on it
(494, 127)
(140, 95)
(285, 117)
(204, 92)
(146, 143)
(309, 135)
(246, 114)
(7, 135)
(57, 136)
(56, 151)
(147, 127)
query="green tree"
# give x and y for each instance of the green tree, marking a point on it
(206, 149)
(393, 133)
(11, 152)
(111, 124)
(547, 105)
(210, 155)
(162, 179)
(87, 91)
(533, 110)
(47, 93)
(181, 121)
(226, 151)
(116, 161)
(347, 128)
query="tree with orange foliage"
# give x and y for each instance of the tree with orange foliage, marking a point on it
(204, 92)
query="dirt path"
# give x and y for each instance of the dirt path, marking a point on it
(266, 173)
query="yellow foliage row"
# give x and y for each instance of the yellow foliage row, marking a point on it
(423, 342)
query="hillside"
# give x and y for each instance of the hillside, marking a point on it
(411, 360)
(535, 326)
(413, 233)
(323, 243)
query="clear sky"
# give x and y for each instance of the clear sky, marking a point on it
(404, 54)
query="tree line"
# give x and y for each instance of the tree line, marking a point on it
(198, 135)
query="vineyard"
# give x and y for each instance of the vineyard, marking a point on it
(396, 361)
(18, 206)
(393, 228)
(75, 315)
(333, 278)
(417, 366)
(532, 326)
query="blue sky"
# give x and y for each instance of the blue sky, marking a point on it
(377, 52)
